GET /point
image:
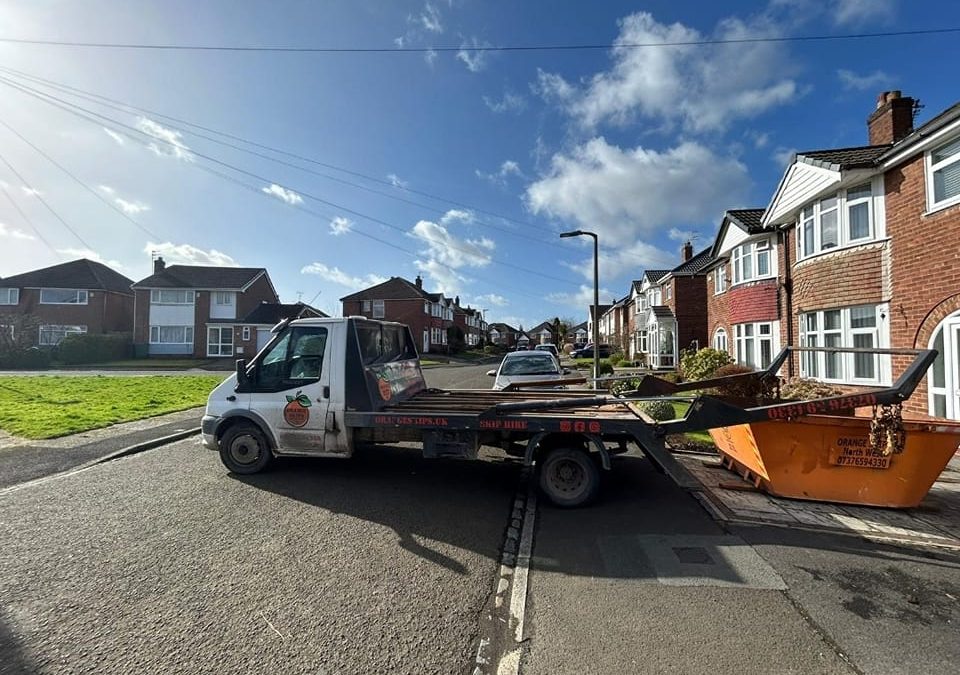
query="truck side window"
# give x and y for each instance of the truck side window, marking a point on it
(295, 360)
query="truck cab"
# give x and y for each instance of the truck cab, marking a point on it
(291, 398)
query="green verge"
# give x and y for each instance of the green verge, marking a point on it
(49, 406)
(680, 409)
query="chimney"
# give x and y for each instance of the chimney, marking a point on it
(893, 118)
(686, 251)
(456, 301)
(158, 265)
(419, 282)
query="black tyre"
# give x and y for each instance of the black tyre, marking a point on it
(569, 477)
(244, 449)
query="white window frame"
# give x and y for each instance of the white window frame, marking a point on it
(668, 292)
(155, 332)
(751, 253)
(245, 333)
(755, 334)
(813, 365)
(9, 296)
(811, 213)
(366, 306)
(81, 295)
(56, 328)
(932, 168)
(223, 298)
(172, 296)
(720, 280)
(378, 312)
(220, 344)
(720, 342)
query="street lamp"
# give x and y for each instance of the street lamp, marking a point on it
(596, 299)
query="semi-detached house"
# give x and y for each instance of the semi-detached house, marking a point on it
(198, 311)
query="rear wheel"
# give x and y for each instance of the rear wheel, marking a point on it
(569, 477)
(244, 449)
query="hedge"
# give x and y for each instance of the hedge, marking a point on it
(89, 348)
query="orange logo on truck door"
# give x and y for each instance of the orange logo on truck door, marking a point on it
(383, 384)
(296, 413)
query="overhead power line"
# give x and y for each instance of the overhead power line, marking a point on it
(473, 48)
(26, 219)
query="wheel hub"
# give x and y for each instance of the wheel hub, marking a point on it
(245, 449)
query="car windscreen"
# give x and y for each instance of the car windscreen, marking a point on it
(530, 365)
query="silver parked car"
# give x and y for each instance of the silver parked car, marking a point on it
(529, 366)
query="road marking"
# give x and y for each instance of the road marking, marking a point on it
(518, 597)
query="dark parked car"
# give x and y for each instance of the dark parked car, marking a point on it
(587, 352)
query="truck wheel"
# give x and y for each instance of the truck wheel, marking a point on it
(244, 449)
(569, 478)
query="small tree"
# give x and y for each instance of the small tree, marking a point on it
(455, 339)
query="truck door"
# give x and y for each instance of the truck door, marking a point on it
(290, 389)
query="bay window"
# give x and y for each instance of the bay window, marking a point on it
(943, 175)
(842, 219)
(857, 327)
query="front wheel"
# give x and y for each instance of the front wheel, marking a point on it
(244, 449)
(569, 477)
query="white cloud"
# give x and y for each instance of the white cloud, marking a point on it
(430, 19)
(507, 169)
(875, 81)
(340, 225)
(13, 233)
(626, 260)
(282, 193)
(783, 156)
(457, 216)
(859, 12)
(760, 139)
(702, 88)
(187, 254)
(474, 60)
(106, 189)
(581, 300)
(338, 276)
(625, 194)
(131, 208)
(492, 299)
(510, 102)
(31, 192)
(430, 56)
(447, 254)
(120, 140)
(396, 181)
(171, 142)
(93, 255)
(677, 234)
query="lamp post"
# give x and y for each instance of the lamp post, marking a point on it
(596, 298)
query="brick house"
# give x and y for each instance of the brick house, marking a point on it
(470, 321)
(577, 335)
(428, 315)
(77, 297)
(601, 310)
(542, 334)
(195, 311)
(502, 334)
(745, 312)
(870, 238)
(252, 332)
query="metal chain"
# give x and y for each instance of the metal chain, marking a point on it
(887, 435)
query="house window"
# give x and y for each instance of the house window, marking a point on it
(366, 307)
(223, 298)
(754, 344)
(642, 342)
(51, 335)
(378, 309)
(857, 327)
(171, 297)
(720, 340)
(9, 296)
(171, 335)
(426, 307)
(668, 291)
(842, 219)
(753, 260)
(62, 296)
(943, 175)
(245, 333)
(720, 279)
(220, 341)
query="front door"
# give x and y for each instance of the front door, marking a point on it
(426, 341)
(291, 384)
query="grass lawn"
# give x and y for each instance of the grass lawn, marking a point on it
(680, 408)
(50, 406)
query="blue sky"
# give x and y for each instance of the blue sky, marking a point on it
(464, 166)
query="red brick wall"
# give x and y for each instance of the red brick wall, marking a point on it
(841, 279)
(117, 312)
(260, 291)
(408, 311)
(925, 266)
(688, 302)
(141, 321)
(201, 315)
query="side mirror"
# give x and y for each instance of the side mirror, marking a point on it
(243, 382)
(492, 373)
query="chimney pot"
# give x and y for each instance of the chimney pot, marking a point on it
(159, 265)
(419, 282)
(686, 252)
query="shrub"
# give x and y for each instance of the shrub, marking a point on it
(702, 364)
(745, 388)
(622, 386)
(800, 389)
(616, 357)
(661, 411)
(605, 368)
(671, 376)
(490, 349)
(32, 358)
(90, 348)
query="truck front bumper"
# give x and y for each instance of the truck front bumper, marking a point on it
(208, 429)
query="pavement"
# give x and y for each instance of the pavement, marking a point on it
(389, 563)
